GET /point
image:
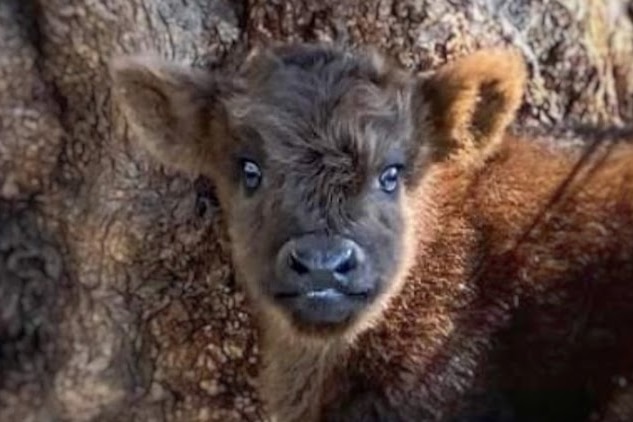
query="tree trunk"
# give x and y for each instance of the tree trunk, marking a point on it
(117, 300)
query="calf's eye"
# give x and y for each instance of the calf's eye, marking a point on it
(389, 179)
(251, 175)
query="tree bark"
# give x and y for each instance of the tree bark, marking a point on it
(117, 300)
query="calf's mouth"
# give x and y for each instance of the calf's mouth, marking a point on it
(322, 280)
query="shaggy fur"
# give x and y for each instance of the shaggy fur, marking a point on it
(506, 261)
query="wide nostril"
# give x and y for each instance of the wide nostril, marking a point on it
(344, 262)
(296, 264)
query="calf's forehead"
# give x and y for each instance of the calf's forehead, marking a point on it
(296, 114)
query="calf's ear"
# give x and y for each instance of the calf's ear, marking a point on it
(175, 109)
(464, 108)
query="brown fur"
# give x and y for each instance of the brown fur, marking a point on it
(526, 289)
(511, 269)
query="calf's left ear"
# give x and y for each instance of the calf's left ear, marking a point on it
(175, 109)
(464, 108)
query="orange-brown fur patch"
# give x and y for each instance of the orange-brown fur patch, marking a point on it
(472, 101)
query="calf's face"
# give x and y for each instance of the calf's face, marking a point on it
(314, 152)
(317, 201)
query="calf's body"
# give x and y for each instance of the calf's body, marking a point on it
(520, 308)
(409, 257)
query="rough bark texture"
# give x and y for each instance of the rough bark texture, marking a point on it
(117, 300)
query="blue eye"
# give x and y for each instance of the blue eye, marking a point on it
(389, 179)
(251, 175)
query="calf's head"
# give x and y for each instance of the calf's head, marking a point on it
(315, 153)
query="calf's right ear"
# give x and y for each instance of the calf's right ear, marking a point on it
(175, 109)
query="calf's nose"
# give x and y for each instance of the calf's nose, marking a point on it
(339, 259)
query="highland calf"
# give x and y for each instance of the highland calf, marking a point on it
(411, 258)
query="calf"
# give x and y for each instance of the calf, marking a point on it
(410, 257)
